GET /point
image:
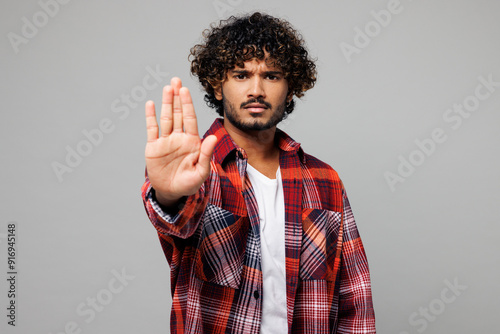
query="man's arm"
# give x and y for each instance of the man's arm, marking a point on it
(178, 221)
(356, 314)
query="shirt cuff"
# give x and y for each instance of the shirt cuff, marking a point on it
(169, 216)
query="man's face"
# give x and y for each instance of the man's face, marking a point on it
(254, 96)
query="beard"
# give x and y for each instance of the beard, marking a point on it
(256, 125)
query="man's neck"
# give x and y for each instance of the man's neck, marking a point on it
(260, 147)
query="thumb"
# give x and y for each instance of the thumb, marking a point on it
(206, 151)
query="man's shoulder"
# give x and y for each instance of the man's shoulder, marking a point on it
(308, 161)
(312, 162)
(323, 174)
(321, 178)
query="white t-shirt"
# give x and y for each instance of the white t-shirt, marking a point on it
(271, 204)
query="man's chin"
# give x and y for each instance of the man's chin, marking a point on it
(253, 125)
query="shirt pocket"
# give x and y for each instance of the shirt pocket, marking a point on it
(221, 251)
(320, 237)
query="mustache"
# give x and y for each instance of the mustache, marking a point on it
(260, 101)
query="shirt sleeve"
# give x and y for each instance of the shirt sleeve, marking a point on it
(184, 221)
(356, 313)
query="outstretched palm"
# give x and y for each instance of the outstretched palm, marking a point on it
(177, 161)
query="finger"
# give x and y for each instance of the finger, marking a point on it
(188, 114)
(177, 114)
(206, 151)
(151, 123)
(166, 118)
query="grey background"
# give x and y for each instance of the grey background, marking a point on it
(440, 224)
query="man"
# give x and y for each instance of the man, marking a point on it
(259, 235)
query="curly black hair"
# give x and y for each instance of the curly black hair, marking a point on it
(238, 39)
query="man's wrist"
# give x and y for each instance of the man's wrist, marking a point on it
(169, 205)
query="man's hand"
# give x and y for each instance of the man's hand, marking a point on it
(177, 161)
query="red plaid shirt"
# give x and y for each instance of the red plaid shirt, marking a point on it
(213, 247)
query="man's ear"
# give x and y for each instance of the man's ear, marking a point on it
(289, 97)
(218, 92)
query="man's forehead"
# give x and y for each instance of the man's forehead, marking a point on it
(266, 64)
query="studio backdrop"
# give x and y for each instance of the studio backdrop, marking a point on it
(406, 109)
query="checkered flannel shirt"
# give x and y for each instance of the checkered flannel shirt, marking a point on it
(213, 248)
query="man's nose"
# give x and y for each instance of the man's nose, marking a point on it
(256, 88)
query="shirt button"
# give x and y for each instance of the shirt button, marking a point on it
(256, 294)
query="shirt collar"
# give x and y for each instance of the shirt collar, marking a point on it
(227, 147)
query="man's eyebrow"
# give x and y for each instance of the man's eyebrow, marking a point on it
(239, 71)
(274, 72)
(266, 72)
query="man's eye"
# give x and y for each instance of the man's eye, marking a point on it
(272, 77)
(240, 76)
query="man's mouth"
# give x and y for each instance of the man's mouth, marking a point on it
(256, 107)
